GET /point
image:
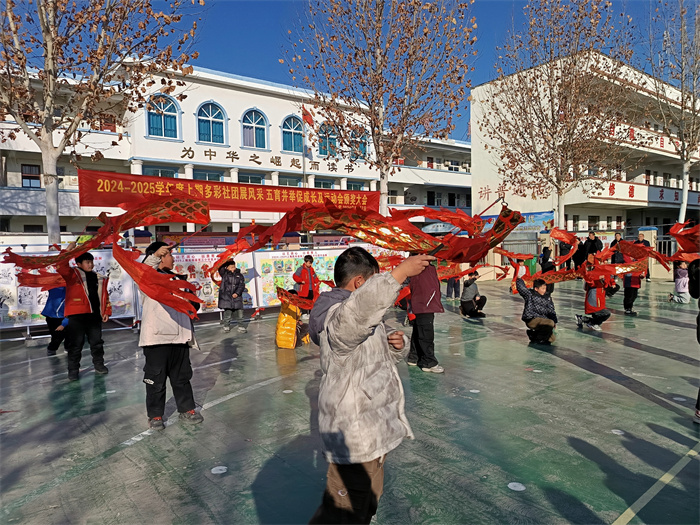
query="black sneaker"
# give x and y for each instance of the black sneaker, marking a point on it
(579, 320)
(72, 375)
(101, 369)
(51, 352)
(479, 314)
(191, 417)
(156, 423)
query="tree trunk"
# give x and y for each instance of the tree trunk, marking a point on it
(684, 196)
(561, 216)
(383, 190)
(53, 222)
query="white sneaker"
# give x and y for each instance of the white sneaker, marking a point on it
(595, 327)
(437, 369)
(304, 318)
(242, 329)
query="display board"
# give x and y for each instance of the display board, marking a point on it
(263, 270)
(276, 268)
(197, 265)
(22, 306)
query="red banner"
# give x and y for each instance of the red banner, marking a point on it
(103, 188)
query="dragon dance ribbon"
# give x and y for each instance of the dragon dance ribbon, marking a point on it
(158, 286)
(688, 242)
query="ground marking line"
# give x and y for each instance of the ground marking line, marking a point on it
(139, 437)
(92, 463)
(664, 480)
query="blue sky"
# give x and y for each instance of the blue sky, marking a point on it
(249, 37)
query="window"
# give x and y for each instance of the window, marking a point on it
(91, 229)
(429, 160)
(31, 176)
(431, 198)
(438, 199)
(289, 181)
(33, 228)
(647, 177)
(215, 176)
(162, 117)
(576, 221)
(327, 140)
(608, 222)
(398, 161)
(452, 199)
(393, 197)
(593, 222)
(250, 178)
(162, 229)
(325, 184)
(254, 125)
(358, 146)
(159, 172)
(667, 179)
(452, 165)
(356, 186)
(292, 135)
(618, 222)
(210, 124)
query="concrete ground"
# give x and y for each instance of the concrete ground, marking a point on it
(596, 429)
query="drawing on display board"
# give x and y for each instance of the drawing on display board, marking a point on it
(197, 268)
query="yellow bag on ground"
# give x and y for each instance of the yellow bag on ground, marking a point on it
(286, 333)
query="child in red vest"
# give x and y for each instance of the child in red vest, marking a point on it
(87, 307)
(596, 313)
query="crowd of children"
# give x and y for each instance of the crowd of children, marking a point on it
(361, 398)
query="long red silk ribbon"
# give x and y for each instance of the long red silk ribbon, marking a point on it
(161, 287)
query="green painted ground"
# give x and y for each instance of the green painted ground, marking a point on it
(503, 412)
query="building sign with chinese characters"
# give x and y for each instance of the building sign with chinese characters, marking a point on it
(102, 188)
(665, 195)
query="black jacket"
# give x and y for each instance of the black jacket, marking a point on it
(593, 245)
(232, 282)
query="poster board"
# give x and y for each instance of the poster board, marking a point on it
(276, 267)
(196, 266)
(21, 306)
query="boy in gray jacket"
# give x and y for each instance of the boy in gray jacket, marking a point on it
(361, 401)
(166, 337)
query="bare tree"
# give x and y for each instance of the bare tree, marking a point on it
(558, 115)
(673, 60)
(65, 64)
(384, 72)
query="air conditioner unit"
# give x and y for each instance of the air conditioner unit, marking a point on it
(465, 165)
(447, 164)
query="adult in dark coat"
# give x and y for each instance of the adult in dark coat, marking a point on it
(547, 265)
(231, 295)
(593, 244)
(580, 256)
(565, 249)
(617, 257)
(641, 240)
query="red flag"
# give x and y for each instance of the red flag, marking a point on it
(307, 116)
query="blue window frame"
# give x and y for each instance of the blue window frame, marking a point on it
(251, 178)
(155, 171)
(356, 186)
(358, 146)
(289, 181)
(215, 176)
(326, 184)
(210, 123)
(327, 140)
(162, 117)
(293, 135)
(254, 129)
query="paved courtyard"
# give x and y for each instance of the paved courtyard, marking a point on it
(592, 427)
